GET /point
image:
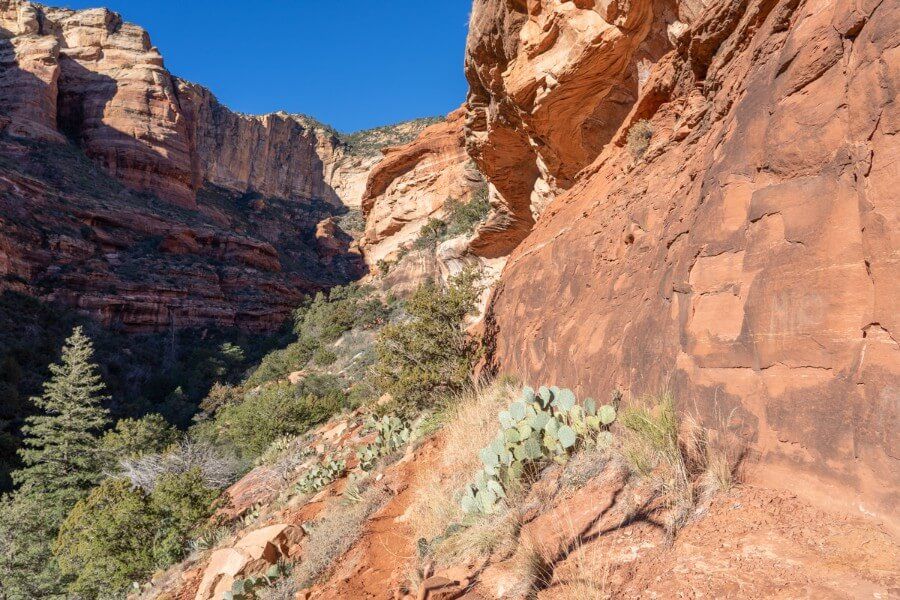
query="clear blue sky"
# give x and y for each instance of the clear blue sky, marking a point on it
(351, 63)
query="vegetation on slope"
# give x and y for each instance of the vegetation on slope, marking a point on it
(143, 475)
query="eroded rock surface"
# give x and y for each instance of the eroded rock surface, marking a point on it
(550, 83)
(411, 184)
(748, 260)
(245, 225)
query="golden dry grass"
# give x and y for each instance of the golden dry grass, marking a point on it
(471, 425)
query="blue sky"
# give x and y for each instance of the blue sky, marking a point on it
(351, 63)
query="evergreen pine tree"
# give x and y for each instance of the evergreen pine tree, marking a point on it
(62, 461)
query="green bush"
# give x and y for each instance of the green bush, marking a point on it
(430, 354)
(324, 357)
(329, 316)
(463, 217)
(279, 363)
(268, 414)
(320, 322)
(133, 437)
(460, 218)
(431, 234)
(119, 534)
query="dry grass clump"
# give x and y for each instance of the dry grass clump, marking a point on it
(638, 138)
(678, 455)
(471, 425)
(335, 533)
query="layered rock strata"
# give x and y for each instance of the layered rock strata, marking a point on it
(412, 183)
(747, 260)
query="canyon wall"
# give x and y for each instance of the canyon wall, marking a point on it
(747, 259)
(90, 77)
(246, 225)
(411, 184)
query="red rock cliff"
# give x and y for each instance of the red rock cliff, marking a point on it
(89, 76)
(242, 231)
(748, 259)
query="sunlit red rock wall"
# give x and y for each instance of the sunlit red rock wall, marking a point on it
(748, 261)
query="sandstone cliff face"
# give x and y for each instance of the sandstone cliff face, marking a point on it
(550, 83)
(88, 76)
(411, 184)
(749, 259)
(246, 224)
(70, 233)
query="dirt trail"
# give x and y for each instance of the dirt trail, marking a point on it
(379, 564)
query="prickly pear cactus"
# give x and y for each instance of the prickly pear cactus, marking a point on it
(547, 424)
(393, 434)
(321, 475)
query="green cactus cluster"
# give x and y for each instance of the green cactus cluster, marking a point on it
(245, 589)
(393, 434)
(545, 425)
(321, 475)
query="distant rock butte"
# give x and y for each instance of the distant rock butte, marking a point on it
(748, 261)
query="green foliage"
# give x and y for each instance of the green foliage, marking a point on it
(327, 317)
(433, 232)
(61, 462)
(104, 543)
(134, 437)
(119, 534)
(655, 434)
(265, 415)
(279, 363)
(638, 138)
(180, 501)
(320, 322)
(321, 475)
(60, 455)
(369, 142)
(463, 217)
(460, 218)
(392, 434)
(249, 588)
(547, 425)
(324, 357)
(430, 354)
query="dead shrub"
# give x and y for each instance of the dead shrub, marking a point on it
(216, 469)
(638, 138)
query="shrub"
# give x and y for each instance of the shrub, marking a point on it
(278, 363)
(119, 533)
(471, 424)
(147, 470)
(677, 455)
(431, 234)
(133, 437)
(344, 307)
(269, 413)
(179, 501)
(429, 355)
(463, 217)
(638, 138)
(324, 357)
